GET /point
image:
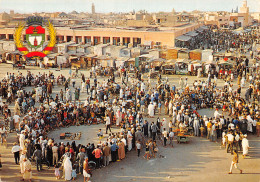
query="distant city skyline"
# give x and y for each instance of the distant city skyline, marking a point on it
(105, 6)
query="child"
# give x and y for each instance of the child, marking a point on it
(57, 171)
(147, 154)
(138, 147)
(74, 174)
(100, 134)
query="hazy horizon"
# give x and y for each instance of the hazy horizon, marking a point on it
(106, 6)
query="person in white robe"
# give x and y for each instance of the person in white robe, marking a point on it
(199, 73)
(181, 82)
(83, 86)
(67, 169)
(151, 110)
(27, 169)
(22, 157)
(38, 93)
(196, 126)
(170, 108)
(22, 140)
(217, 114)
(245, 145)
(68, 95)
(143, 87)
(129, 140)
(243, 80)
(94, 94)
(215, 79)
(121, 93)
(164, 123)
(17, 109)
(249, 123)
(118, 117)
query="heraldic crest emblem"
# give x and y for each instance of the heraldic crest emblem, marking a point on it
(35, 37)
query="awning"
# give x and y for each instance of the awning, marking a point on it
(183, 38)
(204, 27)
(146, 56)
(200, 30)
(192, 34)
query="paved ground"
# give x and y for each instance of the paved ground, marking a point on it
(200, 160)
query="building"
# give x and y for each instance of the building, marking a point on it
(224, 19)
(164, 37)
(219, 19)
(256, 17)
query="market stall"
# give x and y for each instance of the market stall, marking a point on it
(225, 67)
(155, 66)
(196, 65)
(120, 62)
(181, 66)
(130, 63)
(168, 67)
(91, 60)
(106, 61)
(183, 54)
(50, 60)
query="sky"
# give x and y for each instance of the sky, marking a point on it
(103, 6)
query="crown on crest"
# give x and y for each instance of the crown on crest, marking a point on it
(34, 20)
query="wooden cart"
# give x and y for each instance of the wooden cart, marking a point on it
(182, 138)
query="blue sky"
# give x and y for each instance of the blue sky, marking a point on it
(29, 6)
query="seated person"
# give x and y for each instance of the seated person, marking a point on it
(100, 133)
(182, 127)
(90, 120)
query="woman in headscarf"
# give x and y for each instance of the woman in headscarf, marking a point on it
(67, 168)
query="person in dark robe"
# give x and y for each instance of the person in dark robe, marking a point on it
(77, 94)
(49, 88)
(49, 154)
(145, 128)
